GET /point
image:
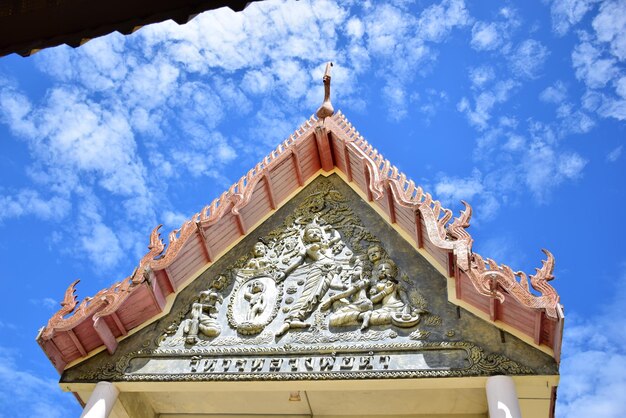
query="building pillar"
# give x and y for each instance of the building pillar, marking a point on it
(101, 401)
(502, 397)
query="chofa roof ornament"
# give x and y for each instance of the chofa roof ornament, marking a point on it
(326, 109)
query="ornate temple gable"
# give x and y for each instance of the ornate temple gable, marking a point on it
(321, 290)
(330, 145)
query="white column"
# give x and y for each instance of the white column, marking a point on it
(101, 401)
(502, 398)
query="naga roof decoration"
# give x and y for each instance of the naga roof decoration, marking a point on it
(330, 144)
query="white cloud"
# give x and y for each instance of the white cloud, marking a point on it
(621, 87)
(480, 76)
(397, 100)
(257, 82)
(488, 206)
(430, 103)
(571, 165)
(70, 134)
(151, 84)
(484, 102)
(451, 190)
(545, 168)
(598, 60)
(556, 93)
(101, 245)
(438, 20)
(485, 36)
(528, 58)
(14, 109)
(173, 219)
(354, 28)
(19, 386)
(567, 13)
(395, 39)
(615, 154)
(28, 202)
(593, 70)
(515, 143)
(592, 378)
(610, 26)
(615, 108)
(385, 28)
(572, 120)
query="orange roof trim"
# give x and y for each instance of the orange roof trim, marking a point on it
(328, 144)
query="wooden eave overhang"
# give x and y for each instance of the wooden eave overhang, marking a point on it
(26, 26)
(490, 290)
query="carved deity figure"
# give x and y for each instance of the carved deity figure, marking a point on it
(204, 314)
(374, 254)
(255, 298)
(352, 305)
(260, 259)
(317, 257)
(392, 309)
(372, 304)
(266, 262)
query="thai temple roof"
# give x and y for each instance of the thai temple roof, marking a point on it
(525, 305)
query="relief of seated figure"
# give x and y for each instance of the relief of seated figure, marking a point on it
(379, 305)
(203, 317)
(392, 309)
(351, 306)
(261, 260)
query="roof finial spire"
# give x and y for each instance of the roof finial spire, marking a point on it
(326, 109)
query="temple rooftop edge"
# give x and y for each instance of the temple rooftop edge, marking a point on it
(525, 305)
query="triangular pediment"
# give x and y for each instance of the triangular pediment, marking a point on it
(447, 309)
(323, 289)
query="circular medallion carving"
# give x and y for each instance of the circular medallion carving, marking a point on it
(254, 304)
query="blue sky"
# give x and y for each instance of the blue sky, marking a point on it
(517, 107)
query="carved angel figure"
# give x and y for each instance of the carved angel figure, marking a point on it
(204, 317)
(266, 261)
(372, 304)
(317, 257)
(352, 305)
(260, 258)
(255, 298)
(392, 309)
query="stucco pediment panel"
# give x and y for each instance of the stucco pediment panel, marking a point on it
(324, 289)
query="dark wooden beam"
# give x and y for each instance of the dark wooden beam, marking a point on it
(27, 26)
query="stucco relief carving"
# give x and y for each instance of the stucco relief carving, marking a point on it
(322, 272)
(203, 316)
(374, 301)
(254, 304)
(363, 316)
